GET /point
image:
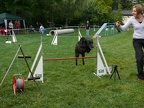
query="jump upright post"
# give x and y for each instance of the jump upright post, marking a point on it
(39, 67)
(102, 66)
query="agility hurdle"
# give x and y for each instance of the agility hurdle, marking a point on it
(102, 66)
(109, 29)
(69, 58)
(18, 84)
(14, 39)
(39, 68)
(55, 39)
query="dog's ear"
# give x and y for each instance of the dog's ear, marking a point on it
(82, 41)
(86, 40)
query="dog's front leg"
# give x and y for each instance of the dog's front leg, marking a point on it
(83, 55)
(76, 56)
(76, 61)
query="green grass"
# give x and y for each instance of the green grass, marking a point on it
(67, 85)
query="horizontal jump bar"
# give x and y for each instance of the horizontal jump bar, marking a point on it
(70, 58)
(26, 56)
(34, 78)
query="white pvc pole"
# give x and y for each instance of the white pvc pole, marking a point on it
(102, 27)
(10, 66)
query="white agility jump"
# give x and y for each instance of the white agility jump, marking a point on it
(55, 39)
(102, 66)
(39, 68)
(14, 39)
(37, 75)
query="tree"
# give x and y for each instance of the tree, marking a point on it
(118, 15)
(70, 9)
(97, 11)
(62, 12)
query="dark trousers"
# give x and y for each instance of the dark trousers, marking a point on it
(139, 54)
(10, 31)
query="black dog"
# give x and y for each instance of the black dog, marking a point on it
(83, 46)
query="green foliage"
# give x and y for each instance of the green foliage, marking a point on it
(67, 85)
(65, 12)
(126, 4)
(119, 15)
(56, 11)
(97, 11)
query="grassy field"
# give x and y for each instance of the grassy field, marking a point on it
(67, 85)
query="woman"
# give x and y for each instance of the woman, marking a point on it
(137, 21)
(10, 27)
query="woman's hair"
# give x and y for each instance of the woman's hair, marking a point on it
(139, 8)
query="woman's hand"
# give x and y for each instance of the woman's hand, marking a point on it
(117, 23)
